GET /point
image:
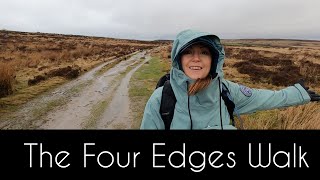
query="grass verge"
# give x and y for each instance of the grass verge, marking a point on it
(142, 85)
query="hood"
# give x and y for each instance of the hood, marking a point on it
(188, 37)
(179, 81)
(203, 105)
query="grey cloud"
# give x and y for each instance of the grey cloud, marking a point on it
(158, 19)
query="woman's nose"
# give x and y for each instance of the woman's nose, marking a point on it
(196, 57)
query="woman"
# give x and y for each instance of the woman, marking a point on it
(196, 79)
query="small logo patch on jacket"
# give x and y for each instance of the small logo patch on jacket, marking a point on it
(245, 90)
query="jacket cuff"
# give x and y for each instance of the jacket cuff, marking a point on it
(303, 92)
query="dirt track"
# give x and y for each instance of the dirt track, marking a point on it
(89, 102)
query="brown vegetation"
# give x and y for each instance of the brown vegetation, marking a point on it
(275, 64)
(6, 79)
(26, 59)
(273, 67)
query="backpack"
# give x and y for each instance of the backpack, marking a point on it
(168, 101)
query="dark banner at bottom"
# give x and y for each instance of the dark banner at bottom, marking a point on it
(178, 152)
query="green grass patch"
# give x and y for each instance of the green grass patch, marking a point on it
(144, 80)
(142, 85)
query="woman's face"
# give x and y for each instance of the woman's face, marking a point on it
(196, 61)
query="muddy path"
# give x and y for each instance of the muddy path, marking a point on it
(95, 100)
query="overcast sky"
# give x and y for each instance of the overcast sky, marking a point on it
(163, 19)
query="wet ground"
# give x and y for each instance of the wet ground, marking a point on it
(91, 101)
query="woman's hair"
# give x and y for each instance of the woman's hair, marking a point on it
(199, 85)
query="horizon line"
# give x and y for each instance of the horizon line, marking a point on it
(155, 39)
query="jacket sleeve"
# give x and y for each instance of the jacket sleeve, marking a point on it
(249, 100)
(151, 117)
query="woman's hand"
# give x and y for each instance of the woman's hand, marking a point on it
(312, 94)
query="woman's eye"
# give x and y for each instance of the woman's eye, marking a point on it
(205, 52)
(187, 51)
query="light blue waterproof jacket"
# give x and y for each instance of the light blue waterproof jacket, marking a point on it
(205, 105)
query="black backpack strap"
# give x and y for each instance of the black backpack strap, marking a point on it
(168, 103)
(162, 80)
(227, 100)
